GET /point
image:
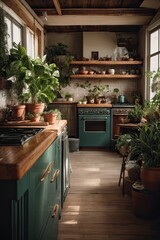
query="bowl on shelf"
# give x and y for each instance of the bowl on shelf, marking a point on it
(111, 71)
(91, 72)
(83, 71)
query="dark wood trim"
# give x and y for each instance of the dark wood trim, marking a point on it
(57, 6)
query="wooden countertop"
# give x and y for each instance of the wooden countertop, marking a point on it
(129, 125)
(15, 161)
(94, 105)
(64, 102)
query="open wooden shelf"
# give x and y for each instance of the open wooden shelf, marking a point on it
(96, 62)
(108, 76)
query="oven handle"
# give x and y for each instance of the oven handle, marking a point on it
(93, 118)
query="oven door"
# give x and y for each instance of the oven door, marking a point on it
(94, 131)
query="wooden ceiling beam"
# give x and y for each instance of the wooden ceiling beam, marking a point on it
(107, 28)
(95, 11)
(57, 7)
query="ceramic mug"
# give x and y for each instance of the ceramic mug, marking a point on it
(111, 71)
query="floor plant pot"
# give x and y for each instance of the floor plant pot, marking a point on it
(50, 118)
(145, 204)
(18, 112)
(151, 179)
(35, 107)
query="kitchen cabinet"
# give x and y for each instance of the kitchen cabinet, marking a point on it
(69, 112)
(123, 69)
(31, 206)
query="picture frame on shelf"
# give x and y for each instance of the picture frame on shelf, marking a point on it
(94, 55)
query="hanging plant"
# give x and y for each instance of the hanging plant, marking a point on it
(3, 44)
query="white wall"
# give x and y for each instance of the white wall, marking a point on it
(102, 42)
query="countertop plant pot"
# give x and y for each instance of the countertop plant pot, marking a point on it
(35, 108)
(18, 112)
(50, 117)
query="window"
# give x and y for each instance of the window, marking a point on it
(14, 31)
(30, 43)
(154, 52)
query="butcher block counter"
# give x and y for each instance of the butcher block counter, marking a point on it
(94, 105)
(15, 161)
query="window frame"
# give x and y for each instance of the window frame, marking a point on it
(151, 29)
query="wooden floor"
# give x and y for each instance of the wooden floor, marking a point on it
(95, 208)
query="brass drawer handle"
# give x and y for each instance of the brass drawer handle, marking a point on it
(55, 175)
(46, 172)
(55, 210)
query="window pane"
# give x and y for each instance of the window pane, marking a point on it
(30, 43)
(154, 42)
(154, 63)
(9, 31)
(17, 34)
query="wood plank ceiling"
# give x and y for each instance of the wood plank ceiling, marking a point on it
(93, 15)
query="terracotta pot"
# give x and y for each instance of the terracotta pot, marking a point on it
(50, 117)
(35, 119)
(18, 112)
(151, 179)
(35, 108)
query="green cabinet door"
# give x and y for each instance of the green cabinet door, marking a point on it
(40, 197)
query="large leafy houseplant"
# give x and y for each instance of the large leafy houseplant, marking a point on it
(17, 65)
(35, 80)
(146, 145)
(42, 81)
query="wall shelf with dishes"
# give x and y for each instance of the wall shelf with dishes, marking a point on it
(107, 69)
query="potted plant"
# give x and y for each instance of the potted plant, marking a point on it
(84, 100)
(123, 144)
(69, 97)
(136, 114)
(151, 111)
(136, 97)
(15, 71)
(33, 117)
(3, 47)
(60, 55)
(115, 95)
(146, 144)
(51, 116)
(36, 81)
(98, 91)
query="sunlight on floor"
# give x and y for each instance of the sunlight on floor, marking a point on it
(92, 169)
(74, 208)
(93, 182)
(71, 222)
